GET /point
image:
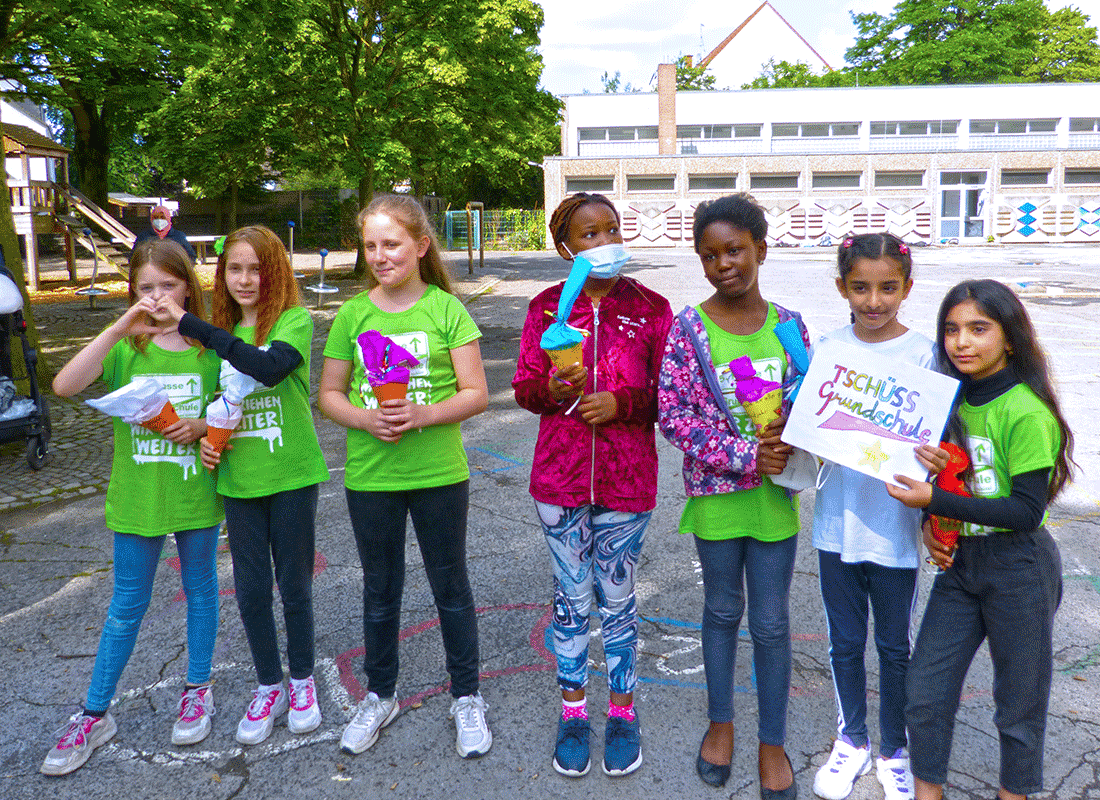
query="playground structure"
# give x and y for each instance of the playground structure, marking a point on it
(42, 202)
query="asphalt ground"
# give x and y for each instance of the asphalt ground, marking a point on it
(55, 585)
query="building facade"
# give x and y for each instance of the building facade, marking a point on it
(1001, 163)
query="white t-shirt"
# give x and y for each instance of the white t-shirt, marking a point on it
(853, 513)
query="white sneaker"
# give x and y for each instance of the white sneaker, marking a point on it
(473, 735)
(196, 709)
(835, 780)
(373, 715)
(305, 714)
(268, 702)
(79, 738)
(895, 776)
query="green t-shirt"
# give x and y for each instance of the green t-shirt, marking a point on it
(432, 456)
(767, 512)
(159, 487)
(1008, 436)
(275, 447)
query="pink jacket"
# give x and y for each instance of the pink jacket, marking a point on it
(613, 465)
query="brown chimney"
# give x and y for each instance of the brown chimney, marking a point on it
(666, 109)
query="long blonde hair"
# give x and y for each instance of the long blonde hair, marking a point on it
(408, 213)
(278, 289)
(170, 257)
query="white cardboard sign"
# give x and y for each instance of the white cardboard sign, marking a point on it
(867, 412)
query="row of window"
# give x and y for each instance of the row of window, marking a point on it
(842, 129)
(883, 179)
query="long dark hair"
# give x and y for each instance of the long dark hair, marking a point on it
(1025, 356)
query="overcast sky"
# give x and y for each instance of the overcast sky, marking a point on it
(582, 39)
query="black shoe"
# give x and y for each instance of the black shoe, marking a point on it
(790, 793)
(712, 774)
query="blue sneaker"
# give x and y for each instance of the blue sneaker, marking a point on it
(622, 749)
(571, 751)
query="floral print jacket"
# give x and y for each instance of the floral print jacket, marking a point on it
(693, 415)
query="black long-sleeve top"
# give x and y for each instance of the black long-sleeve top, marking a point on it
(1023, 509)
(269, 366)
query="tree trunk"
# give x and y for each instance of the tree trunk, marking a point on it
(234, 203)
(9, 241)
(92, 144)
(366, 194)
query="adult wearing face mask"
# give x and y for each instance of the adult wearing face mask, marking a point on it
(160, 226)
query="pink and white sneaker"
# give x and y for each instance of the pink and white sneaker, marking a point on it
(305, 714)
(79, 738)
(268, 703)
(196, 709)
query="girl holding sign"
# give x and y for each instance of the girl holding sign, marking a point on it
(868, 546)
(156, 489)
(744, 525)
(594, 472)
(1003, 582)
(405, 458)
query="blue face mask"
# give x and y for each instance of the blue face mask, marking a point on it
(606, 260)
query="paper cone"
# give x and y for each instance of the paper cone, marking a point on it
(165, 417)
(764, 410)
(218, 437)
(390, 391)
(567, 357)
(946, 531)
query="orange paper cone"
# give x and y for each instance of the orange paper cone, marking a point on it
(390, 391)
(165, 417)
(764, 410)
(568, 356)
(218, 437)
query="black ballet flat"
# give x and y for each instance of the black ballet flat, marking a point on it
(712, 774)
(790, 793)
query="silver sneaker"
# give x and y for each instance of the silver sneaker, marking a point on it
(81, 735)
(373, 715)
(196, 709)
(268, 704)
(473, 737)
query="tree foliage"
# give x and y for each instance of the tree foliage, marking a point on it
(690, 77)
(947, 41)
(799, 75)
(1067, 50)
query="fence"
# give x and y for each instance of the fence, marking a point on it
(506, 229)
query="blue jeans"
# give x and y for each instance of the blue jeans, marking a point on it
(439, 515)
(278, 527)
(1004, 588)
(734, 569)
(846, 591)
(135, 565)
(594, 549)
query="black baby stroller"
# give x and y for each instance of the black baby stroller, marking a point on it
(20, 417)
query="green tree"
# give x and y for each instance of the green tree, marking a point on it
(613, 84)
(422, 90)
(947, 41)
(107, 64)
(690, 77)
(1067, 50)
(225, 127)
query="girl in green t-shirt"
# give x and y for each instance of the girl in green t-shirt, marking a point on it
(1002, 581)
(405, 457)
(155, 489)
(269, 472)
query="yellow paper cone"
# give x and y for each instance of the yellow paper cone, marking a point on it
(567, 357)
(764, 410)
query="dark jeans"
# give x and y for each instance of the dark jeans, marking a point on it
(1004, 587)
(846, 591)
(439, 519)
(277, 527)
(733, 570)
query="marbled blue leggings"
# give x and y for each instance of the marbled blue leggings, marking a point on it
(594, 552)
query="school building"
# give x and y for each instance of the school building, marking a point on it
(1003, 163)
